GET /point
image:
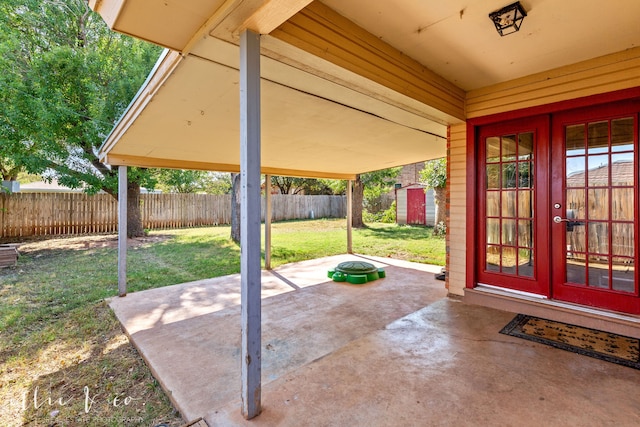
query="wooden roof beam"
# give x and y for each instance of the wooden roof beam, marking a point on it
(321, 31)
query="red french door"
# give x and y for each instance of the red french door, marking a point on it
(512, 198)
(594, 206)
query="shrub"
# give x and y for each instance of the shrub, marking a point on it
(388, 216)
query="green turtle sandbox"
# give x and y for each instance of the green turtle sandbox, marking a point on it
(356, 272)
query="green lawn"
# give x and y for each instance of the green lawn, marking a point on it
(63, 356)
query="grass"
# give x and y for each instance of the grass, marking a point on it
(64, 359)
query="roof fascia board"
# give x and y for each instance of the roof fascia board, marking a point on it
(166, 64)
(109, 10)
(226, 22)
(152, 162)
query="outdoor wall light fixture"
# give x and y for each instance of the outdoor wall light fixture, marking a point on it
(508, 19)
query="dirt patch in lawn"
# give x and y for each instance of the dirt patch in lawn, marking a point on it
(39, 246)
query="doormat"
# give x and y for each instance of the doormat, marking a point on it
(588, 342)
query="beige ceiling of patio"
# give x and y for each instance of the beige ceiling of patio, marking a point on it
(310, 126)
(349, 86)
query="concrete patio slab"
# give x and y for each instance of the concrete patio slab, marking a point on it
(394, 352)
(447, 365)
(189, 334)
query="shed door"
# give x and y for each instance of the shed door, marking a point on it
(416, 208)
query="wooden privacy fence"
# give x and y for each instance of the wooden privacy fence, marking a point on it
(161, 211)
(41, 214)
(286, 207)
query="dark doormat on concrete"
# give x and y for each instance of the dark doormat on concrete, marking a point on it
(588, 342)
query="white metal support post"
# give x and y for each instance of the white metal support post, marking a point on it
(349, 216)
(122, 231)
(267, 222)
(250, 222)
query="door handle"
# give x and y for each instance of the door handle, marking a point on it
(557, 219)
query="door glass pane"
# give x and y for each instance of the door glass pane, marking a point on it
(525, 175)
(622, 172)
(576, 240)
(525, 204)
(623, 275)
(509, 234)
(622, 134)
(509, 260)
(576, 271)
(525, 262)
(509, 204)
(525, 234)
(599, 272)
(525, 146)
(493, 176)
(508, 148)
(575, 140)
(493, 231)
(622, 204)
(598, 203)
(622, 239)
(575, 203)
(509, 175)
(493, 149)
(493, 258)
(598, 237)
(576, 171)
(493, 203)
(598, 138)
(598, 174)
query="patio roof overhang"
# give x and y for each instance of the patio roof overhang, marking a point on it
(344, 91)
(187, 116)
(318, 119)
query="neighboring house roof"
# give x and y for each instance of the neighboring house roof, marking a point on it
(622, 174)
(55, 187)
(47, 187)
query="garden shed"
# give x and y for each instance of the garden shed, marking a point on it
(415, 205)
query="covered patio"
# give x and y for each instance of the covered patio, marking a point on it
(395, 351)
(334, 89)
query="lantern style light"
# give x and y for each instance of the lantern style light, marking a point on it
(508, 19)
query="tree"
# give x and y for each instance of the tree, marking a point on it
(434, 176)
(193, 181)
(368, 187)
(290, 185)
(66, 78)
(9, 169)
(218, 183)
